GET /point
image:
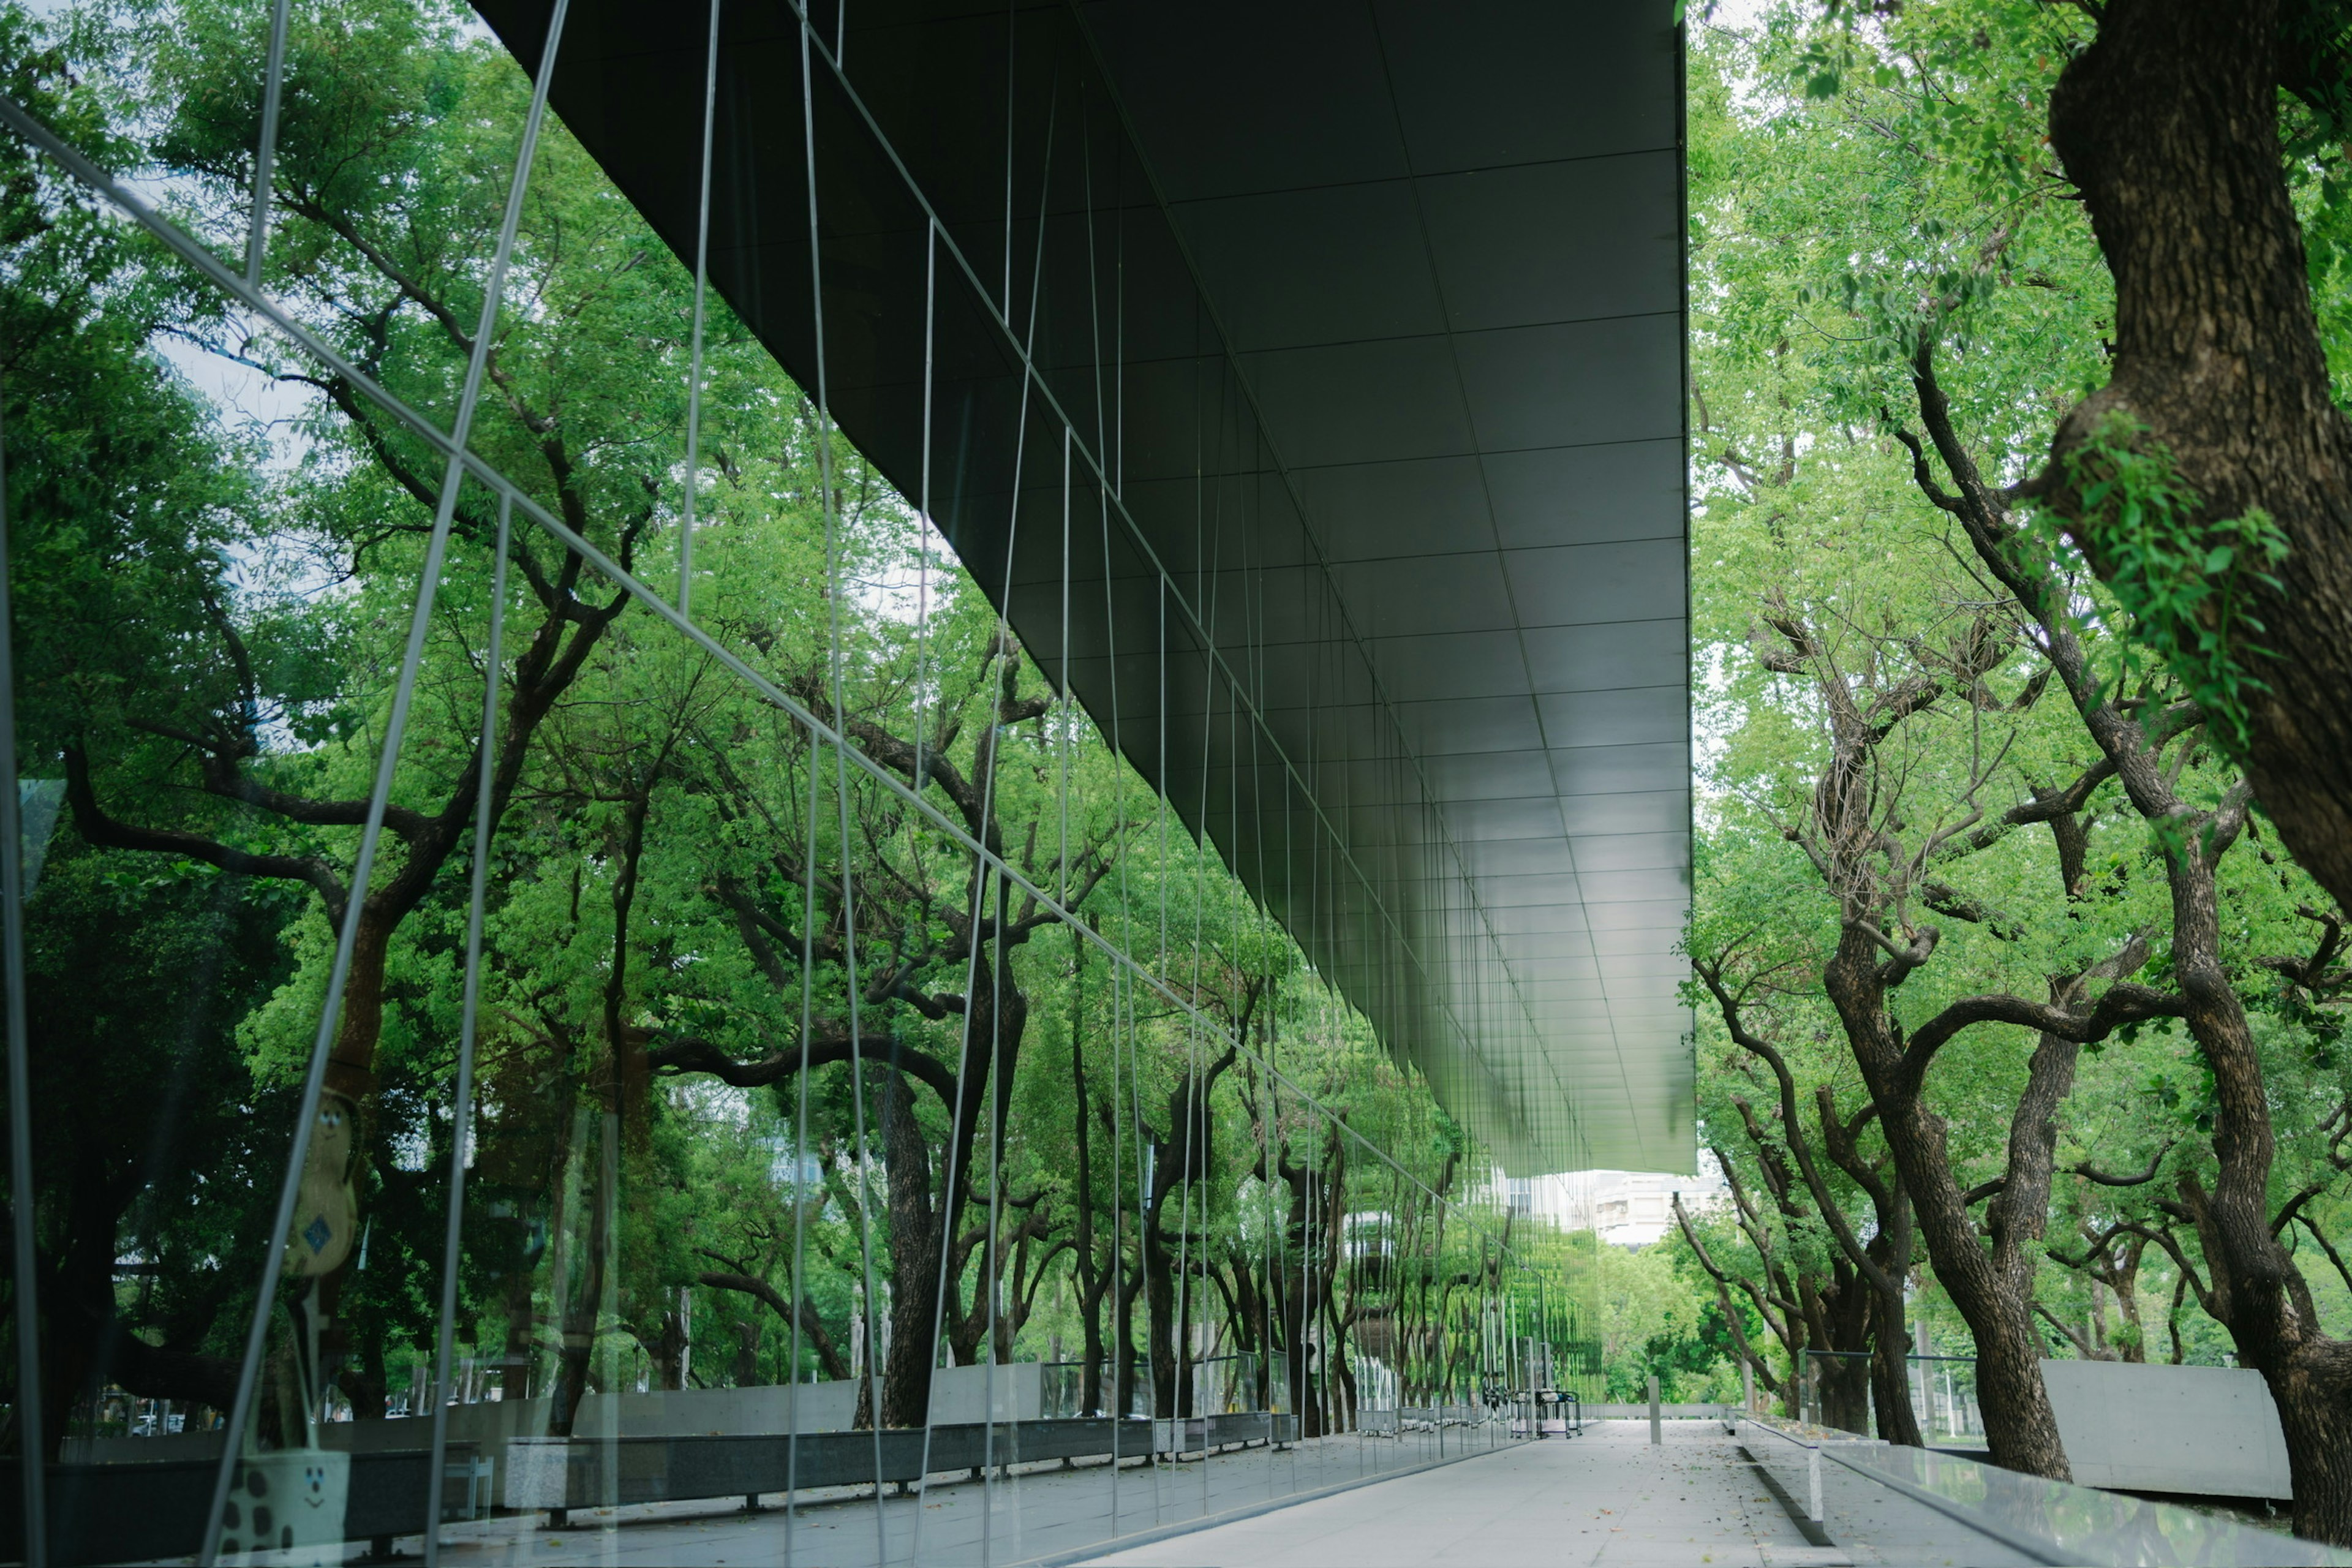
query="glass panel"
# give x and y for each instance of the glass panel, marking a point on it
(1000, 1089)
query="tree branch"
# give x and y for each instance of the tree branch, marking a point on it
(2155, 1162)
(677, 1055)
(1793, 1133)
(2122, 1003)
(101, 830)
(760, 1290)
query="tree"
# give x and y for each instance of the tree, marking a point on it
(248, 752)
(765, 1054)
(1939, 277)
(2204, 147)
(2184, 127)
(122, 490)
(2255, 1288)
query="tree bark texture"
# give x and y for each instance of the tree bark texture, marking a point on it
(2255, 1289)
(1859, 979)
(2019, 1427)
(2167, 124)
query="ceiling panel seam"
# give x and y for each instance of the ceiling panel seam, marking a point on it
(1429, 796)
(1422, 174)
(1486, 495)
(1321, 343)
(1212, 650)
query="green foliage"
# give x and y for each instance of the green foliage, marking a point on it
(213, 601)
(1656, 1318)
(1864, 182)
(2188, 583)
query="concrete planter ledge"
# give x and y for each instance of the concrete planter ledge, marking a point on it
(2049, 1522)
(562, 1473)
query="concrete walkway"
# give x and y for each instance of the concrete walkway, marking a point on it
(1607, 1497)
(1038, 1512)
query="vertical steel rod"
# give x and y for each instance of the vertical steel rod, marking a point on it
(32, 1450)
(800, 1160)
(701, 297)
(265, 157)
(395, 727)
(462, 1109)
(841, 790)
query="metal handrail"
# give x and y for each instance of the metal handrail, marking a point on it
(1813, 1461)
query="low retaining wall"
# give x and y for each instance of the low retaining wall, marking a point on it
(600, 1472)
(2209, 1431)
(493, 1424)
(132, 1511)
(2055, 1522)
(136, 1513)
(966, 1394)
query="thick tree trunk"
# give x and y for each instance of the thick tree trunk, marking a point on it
(1890, 1339)
(1883, 1270)
(351, 1064)
(2019, 1426)
(918, 1228)
(583, 1305)
(1159, 1307)
(1843, 1375)
(744, 1371)
(925, 1209)
(2255, 1289)
(2169, 124)
(1093, 1279)
(1301, 1308)
(1125, 1383)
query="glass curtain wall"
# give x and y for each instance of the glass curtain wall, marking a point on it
(583, 958)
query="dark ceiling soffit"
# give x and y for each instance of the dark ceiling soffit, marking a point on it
(1511, 1105)
(611, 93)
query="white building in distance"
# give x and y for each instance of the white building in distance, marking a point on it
(1625, 1208)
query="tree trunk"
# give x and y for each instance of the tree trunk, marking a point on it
(2167, 124)
(1843, 1329)
(1300, 1309)
(582, 1308)
(2255, 1289)
(918, 1234)
(1341, 1375)
(365, 1382)
(1092, 1278)
(2019, 1427)
(667, 1351)
(1160, 1298)
(1890, 1371)
(1130, 1284)
(2131, 1344)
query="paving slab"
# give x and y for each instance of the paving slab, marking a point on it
(1036, 1511)
(1608, 1499)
